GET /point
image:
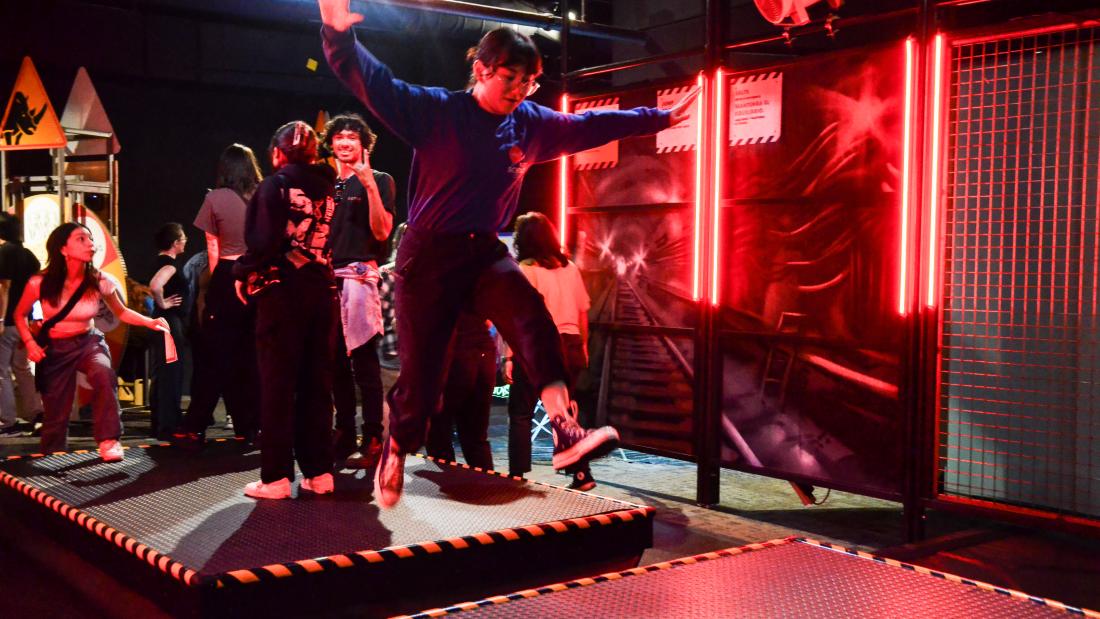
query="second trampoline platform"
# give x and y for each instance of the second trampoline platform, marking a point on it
(170, 531)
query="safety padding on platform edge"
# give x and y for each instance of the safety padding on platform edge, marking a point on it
(951, 577)
(583, 582)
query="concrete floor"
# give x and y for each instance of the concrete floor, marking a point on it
(752, 509)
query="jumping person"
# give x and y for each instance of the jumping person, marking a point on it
(360, 227)
(70, 289)
(289, 277)
(471, 150)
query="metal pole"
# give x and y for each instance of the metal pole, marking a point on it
(4, 181)
(545, 21)
(708, 382)
(112, 190)
(59, 162)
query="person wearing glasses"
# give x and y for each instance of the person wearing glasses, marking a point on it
(471, 151)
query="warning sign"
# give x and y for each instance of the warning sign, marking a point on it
(756, 108)
(601, 157)
(29, 120)
(682, 136)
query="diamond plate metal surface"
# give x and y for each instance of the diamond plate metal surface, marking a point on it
(791, 580)
(191, 506)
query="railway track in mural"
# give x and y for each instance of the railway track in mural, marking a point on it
(646, 387)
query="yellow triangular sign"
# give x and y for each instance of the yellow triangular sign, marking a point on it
(29, 120)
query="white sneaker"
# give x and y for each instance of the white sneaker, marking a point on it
(321, 484)
(111, 451)
(275, 490)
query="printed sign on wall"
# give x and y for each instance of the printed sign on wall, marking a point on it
(682, 136)
(606, 156)
(756, 108)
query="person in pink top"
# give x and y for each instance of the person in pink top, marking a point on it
(72, 344)
(559, 282)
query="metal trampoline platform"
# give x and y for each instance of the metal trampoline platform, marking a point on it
(170, 531)
(783, 578)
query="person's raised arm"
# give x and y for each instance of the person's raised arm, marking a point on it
(380, 213)
(405, 109)
(565, 134)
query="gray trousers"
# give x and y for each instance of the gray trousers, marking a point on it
(13, 359)
(65, 357)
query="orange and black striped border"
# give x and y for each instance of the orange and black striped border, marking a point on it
(421, 549)
(160, 561)
(191, 577)
(953, 578)
(584, 582)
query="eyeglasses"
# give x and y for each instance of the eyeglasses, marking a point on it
(529, 86)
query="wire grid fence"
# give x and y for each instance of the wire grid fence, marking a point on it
(1018, 418)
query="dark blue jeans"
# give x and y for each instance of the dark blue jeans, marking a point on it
(437, 277)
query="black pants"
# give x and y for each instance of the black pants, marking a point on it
(225, 359)
(522, 397)
(296, 323)
(438, 276)
(167, 388)
(362, 370)
(467, 399)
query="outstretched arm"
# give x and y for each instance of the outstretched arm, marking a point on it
(406, 109)
(131, 317)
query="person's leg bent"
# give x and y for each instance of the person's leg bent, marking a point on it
(96, 366)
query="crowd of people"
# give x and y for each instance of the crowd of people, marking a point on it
(294, 307)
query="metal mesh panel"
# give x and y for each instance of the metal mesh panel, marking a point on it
(1018, 368)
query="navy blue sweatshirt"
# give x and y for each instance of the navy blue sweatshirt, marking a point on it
(468, 165)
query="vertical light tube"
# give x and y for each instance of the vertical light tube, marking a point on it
(906, 157)
(700, 157)
(718, 121)
(934, 174)
(563, 182)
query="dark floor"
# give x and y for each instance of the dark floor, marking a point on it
(752, 509)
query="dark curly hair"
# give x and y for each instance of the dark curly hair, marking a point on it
(349, 122)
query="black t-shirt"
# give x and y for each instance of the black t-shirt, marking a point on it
(175, 284)
(17, 263)
(352, 239)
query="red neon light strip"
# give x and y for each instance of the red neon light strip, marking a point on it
(563, 181)
(719, 121)
(697, 261)
(906, 142)
(934, 175)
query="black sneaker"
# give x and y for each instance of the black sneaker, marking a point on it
(11, 432)
(573, 444)
(582, 480)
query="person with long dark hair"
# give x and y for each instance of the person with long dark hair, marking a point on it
(471, 151)
(287, 273)
(360, 227)
(225, 345)
(559, 282)
(72, 342)
(169, 288)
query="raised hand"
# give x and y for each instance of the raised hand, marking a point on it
(682, 109)
(336, 14)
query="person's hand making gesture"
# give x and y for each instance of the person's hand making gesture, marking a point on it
(336, 14)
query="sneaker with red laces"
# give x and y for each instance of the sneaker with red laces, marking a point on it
(366, 457)
(573, 444)
(111, 451)
(389, 477)
(274, 490)
(321, 484)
